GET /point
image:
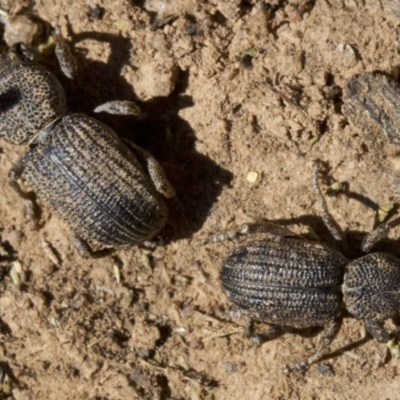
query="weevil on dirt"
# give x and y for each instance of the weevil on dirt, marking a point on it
(291, 282)
(109, 193)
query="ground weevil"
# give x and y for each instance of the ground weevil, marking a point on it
(290, 282)
(76, 164)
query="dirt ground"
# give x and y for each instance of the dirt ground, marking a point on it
(238, 99)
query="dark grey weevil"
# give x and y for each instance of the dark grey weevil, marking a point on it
(290, 282)
(76, 164)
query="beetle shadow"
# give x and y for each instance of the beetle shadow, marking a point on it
(349, 347)
(197, 179)
(312, 332)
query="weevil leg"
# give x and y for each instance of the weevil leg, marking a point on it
(329, 222)
(14, 175)
(119, 107)
(377, 330)
(85, 250)
(378, 234)
(249, 328)
(27, 52)
(64, 55)
(258, 339)
(329, 334)
(155, 171)
(249, 229)
(375, 236)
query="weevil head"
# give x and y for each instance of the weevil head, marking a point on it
(31, 98)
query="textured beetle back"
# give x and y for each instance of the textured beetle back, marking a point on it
(371, 286)
(285, 281)
(31, 98)
(84, 163)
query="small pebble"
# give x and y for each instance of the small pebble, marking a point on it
(252, 177)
